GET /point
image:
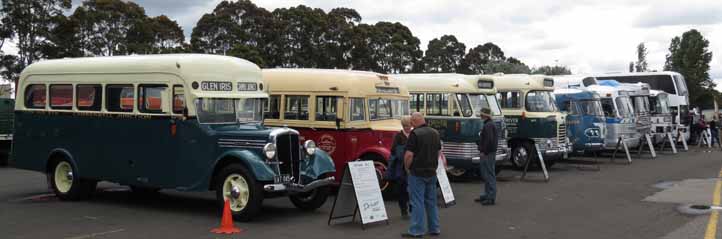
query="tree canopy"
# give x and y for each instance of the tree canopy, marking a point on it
(690, 56)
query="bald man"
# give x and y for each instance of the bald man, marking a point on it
(420, 161)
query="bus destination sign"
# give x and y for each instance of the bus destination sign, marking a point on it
(216, 86)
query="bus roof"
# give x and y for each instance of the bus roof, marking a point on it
(613, 74)
(573, 81)
(576, 94)
(521, 81)
(354, 83)
(188, 67)
(444, 82)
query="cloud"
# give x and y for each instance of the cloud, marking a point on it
(678, 13)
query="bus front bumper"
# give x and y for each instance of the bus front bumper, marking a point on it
(298, 188)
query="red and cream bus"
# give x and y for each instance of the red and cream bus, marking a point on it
(351, 115)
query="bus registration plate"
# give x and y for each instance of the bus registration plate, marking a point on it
(282, 178)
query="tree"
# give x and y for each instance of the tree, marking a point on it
(236, 23)
(552, 70)
(641, 65)
(444, 55)
(481, 55)
(63, 39)
(505, 67)
(30, 22)
(631, 66)
(112, 27)
(302, 37)
(386, 48)
(690, 56)
(167, 35)
(339, 36)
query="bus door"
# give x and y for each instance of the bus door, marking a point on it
(155, 144)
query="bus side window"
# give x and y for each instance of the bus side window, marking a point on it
(150, 98)
(296, 107)
(417, 102)
(61, 97)
(437, 104)
(179, 99)
(119, 98)
(508, 100)
(35, 96)
(326, 108)
(272, 110)
(357, 109)
(89, 97)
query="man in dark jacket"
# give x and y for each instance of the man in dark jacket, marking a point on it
(488, 140)
(421, 160)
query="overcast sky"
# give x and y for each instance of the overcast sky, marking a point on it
(587, 36)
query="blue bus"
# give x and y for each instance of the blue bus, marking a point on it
(184, 122)
(585, 118)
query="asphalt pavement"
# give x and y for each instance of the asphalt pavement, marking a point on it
(649, 198)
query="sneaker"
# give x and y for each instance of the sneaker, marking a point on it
(434, 234)
(409, 235)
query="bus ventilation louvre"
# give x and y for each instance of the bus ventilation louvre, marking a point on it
(562, 134)
(289, 155)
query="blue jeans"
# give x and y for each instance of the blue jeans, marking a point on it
(488, 174)
(422, 192)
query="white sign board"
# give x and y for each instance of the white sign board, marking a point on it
(444, 184)
(368, 193)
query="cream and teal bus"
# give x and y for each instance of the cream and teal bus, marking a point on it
(183, 122)
(531, 117)
(451, 104)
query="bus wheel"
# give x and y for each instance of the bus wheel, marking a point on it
(520, 154)
(235, 184)
(66, 184)
(312, 200)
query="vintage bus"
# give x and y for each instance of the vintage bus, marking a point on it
(351, 114)
(639, 95)
(671, 83)
(531, 116)
(585, 118)
(451, 104)
(183, 122)
(619, 115)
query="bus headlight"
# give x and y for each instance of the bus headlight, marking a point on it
(310, 147)
(269, 150)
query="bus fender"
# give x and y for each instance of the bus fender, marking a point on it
(384, 152)
(252, 162)
(63, 153)
(318, 164)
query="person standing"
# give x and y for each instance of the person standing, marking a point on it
(421, 160)
(488, 140)
(714, 131)
(396, 172)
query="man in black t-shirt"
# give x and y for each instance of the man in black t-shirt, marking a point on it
(420, 161)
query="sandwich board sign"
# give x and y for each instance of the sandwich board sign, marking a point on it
(359, 193)
(444, 184)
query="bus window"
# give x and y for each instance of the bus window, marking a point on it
(150, 98)
(296, 107)
(89, 97)
(179, 99)
(380, 109)
(608, 107)
(437, 104)
(61, 97)
(326, 108)
(417, 102)
(273, 108)
(250, 110)
(508, 100)
(35, 97)
(357, 109)
(464, 105)
(119, 98)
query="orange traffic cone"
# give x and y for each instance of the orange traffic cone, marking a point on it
(227, 226)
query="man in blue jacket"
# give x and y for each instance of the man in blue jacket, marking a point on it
(488, 141)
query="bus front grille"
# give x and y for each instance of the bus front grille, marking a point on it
(289, 156)
(562, 134)
(460, 150)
